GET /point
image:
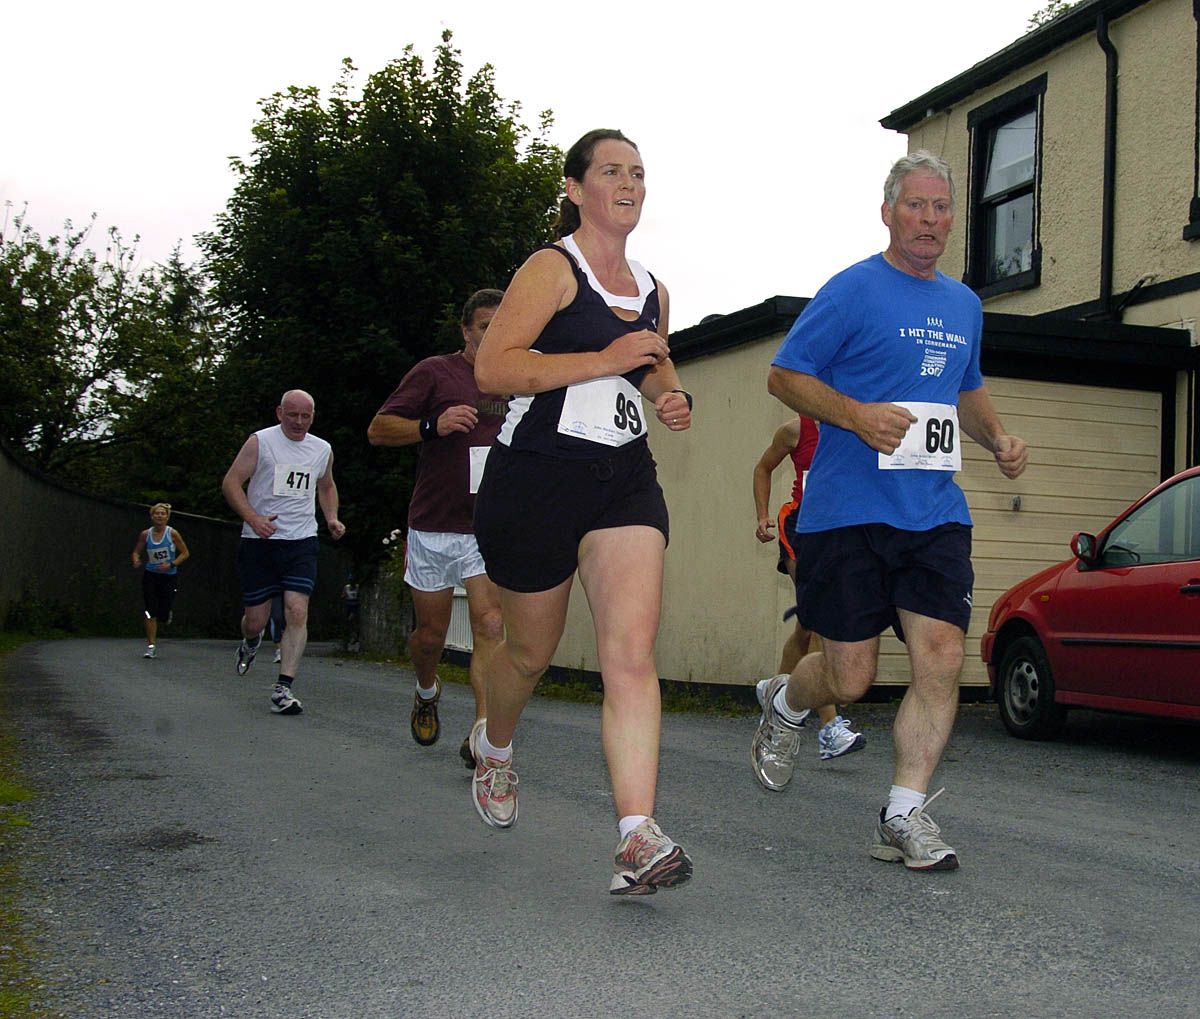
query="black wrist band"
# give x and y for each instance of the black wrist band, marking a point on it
(428, 429)
(685, 394)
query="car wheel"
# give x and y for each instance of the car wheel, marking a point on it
(1025, 693)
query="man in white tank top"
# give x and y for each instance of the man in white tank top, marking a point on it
(273, 484)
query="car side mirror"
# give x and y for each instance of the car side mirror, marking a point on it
(1084, 547)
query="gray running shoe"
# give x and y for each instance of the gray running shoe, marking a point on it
(646, 860)
(282, 701)
(245, 655)
(836, 739)
(278, 657)
(149, 652)
(915, 839)
(493, 786)
(776, 741)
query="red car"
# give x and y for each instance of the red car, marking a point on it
(1115, 628)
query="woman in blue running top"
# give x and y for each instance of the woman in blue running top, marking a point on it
(581, 338)
(164, 550)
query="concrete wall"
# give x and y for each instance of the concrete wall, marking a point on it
(70, 553)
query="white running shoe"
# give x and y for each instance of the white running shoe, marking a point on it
(493, 786)
(245, 655)
(282, 701)
(776, 741)
(647, 860)
(915, 839)
(836, 739)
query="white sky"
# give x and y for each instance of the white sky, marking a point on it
(758, 121)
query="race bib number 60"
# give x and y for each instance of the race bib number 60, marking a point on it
(607, 410)
(931, 442)
(292, 481)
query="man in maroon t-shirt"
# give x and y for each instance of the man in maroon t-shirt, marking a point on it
(439, 405)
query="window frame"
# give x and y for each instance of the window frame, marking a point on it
(981, 121)
(1191, 229)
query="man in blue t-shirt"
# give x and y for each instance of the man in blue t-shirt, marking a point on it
(886, 357)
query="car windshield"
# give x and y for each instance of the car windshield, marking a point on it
(1164, 530)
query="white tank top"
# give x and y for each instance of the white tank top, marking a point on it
(644, 282)
(284, 483)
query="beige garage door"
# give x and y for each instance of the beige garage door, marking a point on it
(1093, 451)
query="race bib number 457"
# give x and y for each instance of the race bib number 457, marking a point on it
(607, 410)
(292, 481)
(931, 442)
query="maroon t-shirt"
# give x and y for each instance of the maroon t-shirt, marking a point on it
(442, 499)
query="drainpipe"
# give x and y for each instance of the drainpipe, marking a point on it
(1110, 165)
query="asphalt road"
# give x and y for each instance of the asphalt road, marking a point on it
(195, 855)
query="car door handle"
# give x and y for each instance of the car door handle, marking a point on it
(1192, 588)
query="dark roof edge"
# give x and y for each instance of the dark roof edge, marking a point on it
(772, 316)
(1102, 343)
(1076, 22)
(1043, 336)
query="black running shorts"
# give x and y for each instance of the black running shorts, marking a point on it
(158, 594)
(532, 510)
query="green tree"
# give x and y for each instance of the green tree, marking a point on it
(357, 228)
(84, 340)
(178, 437)
(1044, 15)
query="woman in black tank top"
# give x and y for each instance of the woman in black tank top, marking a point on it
(581, 337)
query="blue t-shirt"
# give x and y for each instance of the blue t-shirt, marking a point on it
(879, 335)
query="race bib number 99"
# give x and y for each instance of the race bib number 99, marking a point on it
(607, 410)
(293, 482)
(931, 442)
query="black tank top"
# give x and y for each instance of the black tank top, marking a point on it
(585, 325)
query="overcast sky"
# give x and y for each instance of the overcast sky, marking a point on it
(758, 122)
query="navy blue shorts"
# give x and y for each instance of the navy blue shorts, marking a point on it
(158, 594)
(269, 566)
(851, 580)
(532, 511)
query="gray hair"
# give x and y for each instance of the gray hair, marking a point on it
(921, 159)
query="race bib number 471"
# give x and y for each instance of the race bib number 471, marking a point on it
(607, 410)
(931, 442)
(292, 481)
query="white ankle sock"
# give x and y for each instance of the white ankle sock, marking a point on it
(427, 694)
(495, 753)
(781, 705)
(629, 822)
(902, 802)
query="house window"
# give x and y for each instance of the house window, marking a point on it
(1003, 250)
(1006, 198)
(1191, 230)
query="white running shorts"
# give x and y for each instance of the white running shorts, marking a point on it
(436, 560)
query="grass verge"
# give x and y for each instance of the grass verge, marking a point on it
(585, 688)
(20, 985)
